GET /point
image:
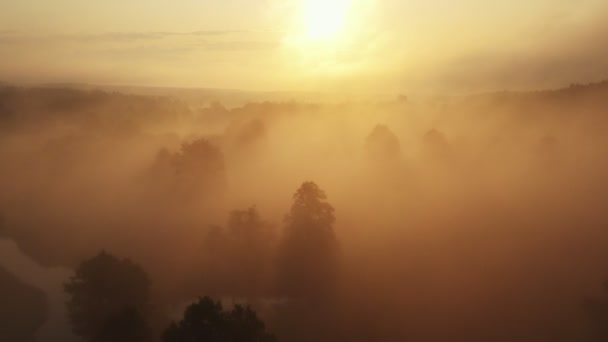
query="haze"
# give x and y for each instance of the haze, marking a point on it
(303, 171)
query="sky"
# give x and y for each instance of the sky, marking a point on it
(435, 46)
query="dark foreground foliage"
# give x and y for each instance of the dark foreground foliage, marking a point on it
(207, 321)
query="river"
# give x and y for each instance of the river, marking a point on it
(48, 280)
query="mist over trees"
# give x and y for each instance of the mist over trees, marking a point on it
(238, 260)
(478, 218)
(193, 174)
(382, 144)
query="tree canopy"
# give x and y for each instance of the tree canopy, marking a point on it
(309, 249)
(109, 298)
(237, 258)
(206, 321)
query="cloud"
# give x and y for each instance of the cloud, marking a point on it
(14, 37)
(239, 45)
(576, 58)
(554, 56)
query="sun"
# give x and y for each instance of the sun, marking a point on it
(325, 19)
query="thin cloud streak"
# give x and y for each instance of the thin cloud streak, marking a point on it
(14, 37)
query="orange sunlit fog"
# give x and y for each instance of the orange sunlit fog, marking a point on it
(303, 171)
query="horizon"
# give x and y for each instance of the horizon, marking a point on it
(126, 87)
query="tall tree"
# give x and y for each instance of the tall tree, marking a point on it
(109, 298)
(309, 251)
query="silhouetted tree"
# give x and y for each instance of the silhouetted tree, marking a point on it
(309, 250)
(108, 298)
(207, 321)
(195, 171)
(199, 167)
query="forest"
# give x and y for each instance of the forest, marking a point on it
(139, 217)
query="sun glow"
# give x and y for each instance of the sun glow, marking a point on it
(325, 19)
(326, 39)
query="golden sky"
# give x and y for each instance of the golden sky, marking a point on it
(359, 45)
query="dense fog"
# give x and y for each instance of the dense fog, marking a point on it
(472, 218)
